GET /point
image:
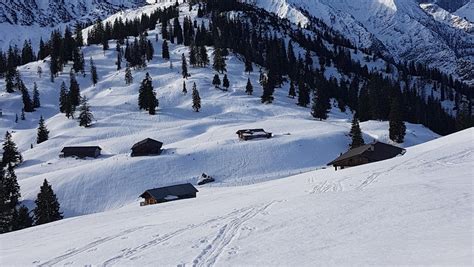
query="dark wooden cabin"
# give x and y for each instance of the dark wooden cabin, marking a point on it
(168, 193)
(248, 134)
(147, 147)
(369, 153)
(81, 151)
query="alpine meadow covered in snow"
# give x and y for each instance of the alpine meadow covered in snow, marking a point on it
(236, 133)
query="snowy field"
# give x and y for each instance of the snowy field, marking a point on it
(414, 209)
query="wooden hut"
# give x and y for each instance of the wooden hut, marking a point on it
(369, 153)
(248, 134)
(146, 147)
(168, 193)
(81, 151)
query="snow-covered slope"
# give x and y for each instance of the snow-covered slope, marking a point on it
(467, 11)
(415, 209)
(398, 28)
(32, 19)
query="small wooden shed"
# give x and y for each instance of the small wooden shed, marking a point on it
(369, 153)
(248, 134)
(168, 193)
(81, 151)
(146, 147)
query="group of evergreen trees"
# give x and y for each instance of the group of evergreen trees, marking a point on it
(70, 99)
(13, 215)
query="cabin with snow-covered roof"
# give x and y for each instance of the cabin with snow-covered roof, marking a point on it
(168, 193)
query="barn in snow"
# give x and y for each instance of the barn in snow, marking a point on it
(369, 153)
(146, 147)
(168, 193)
(81, 151)
(248, 134)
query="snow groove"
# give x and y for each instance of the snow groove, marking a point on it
(225, 235)
(326, 186)
(89, 246)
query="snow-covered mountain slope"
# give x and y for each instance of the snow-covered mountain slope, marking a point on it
(32, 19)
(415, 209)
(467, 11)
(194, 142)
(398, 28)
(450, 19)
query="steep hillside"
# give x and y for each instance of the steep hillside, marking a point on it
(398, 28)
(415, 209)
(22, 20)
(467, 11)
(194, 142)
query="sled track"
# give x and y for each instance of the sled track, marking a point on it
(225, 235)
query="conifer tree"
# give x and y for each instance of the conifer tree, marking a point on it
(292, 91)
(21, 218)
(165, 52)
(321, 105)
(36, 96)
(146, 96)
(119, 57)
(193, 55)
(268, 89)
(63, 98)
(248, 65)
(69, 108)
(47, 206)
(216, 81)
(204, 59)
(128, 76)
(184, 67)
(397, 127)
(74, 90)
(85, 115)
(356, 134)
(185, 91)
(219, 64)
(43, 133)
(11, 155)
(16, 118)
(79, 38)
(22, 115)
(249, 87)
(94, 76)
(9, 196)
(39, 70)
(27, 103)
(196, 99)
(303, 94)
(225, 82)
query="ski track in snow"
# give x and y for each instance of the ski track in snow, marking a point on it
(210, 254)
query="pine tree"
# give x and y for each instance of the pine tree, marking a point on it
(74, 90)
(248, 65)
(22, 115)
(303, 94)
(193, 55)
(249, 87)
(216, 81)
(321, 105)
(219, 64)
(165, 52)
(9, 196)
(16, 118)
(119, 57)
(43, 133)
(146, 96)
(47, 205)
(39, 70)
(69, 108)
(94, 76)
(85, 115)
(292, 91)
(184, 67)
(21, 218)
(196, 99)
(268, 89)
(356, 134)
(397, 127)
(204, 59)
(27, 103)
(36, 96)
(185, 91)
(10, 152)
(128, 76)
(225, 82)
(63, 98)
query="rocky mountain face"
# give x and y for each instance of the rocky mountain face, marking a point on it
(400, 29)
(449, 5)
(53, 12)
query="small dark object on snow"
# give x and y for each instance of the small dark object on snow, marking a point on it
(147, 147)
(168, 193)
(81, 151)
(204, 179)
(369, 153)
(248, 134)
